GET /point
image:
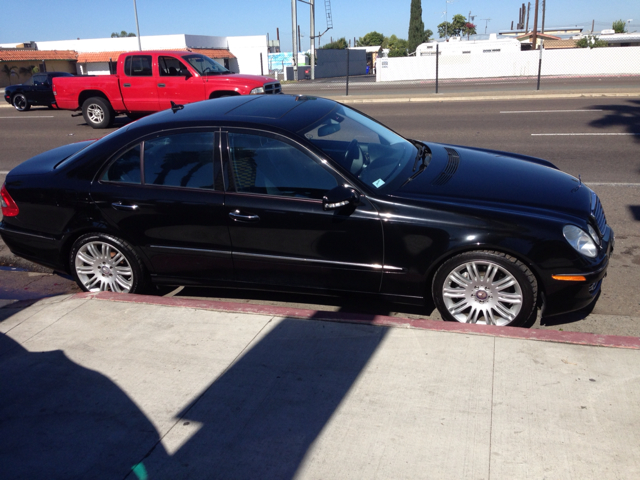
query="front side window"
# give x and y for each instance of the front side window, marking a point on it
(39, 79)
(171, 67)
(180, 160)
(138, 66)
(265, 165)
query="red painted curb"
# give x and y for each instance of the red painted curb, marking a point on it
(576, 338)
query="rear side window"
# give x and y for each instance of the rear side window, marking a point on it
(138, 66)
(181, 160)
(126, 169)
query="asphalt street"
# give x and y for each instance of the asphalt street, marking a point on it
(596, 138)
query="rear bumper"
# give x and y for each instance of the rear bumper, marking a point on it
(40, 249)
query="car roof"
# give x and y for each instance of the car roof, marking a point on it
(287, 112)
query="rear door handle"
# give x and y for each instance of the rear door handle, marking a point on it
(120, 206)
(161, 84)
(126, 84)
(236, 216)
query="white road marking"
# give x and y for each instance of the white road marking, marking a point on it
(548, 111)
(579, 134)
(35, 116)
(605, 184)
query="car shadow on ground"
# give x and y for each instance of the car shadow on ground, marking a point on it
(259, 419)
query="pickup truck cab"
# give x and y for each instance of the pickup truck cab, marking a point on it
(148, 81)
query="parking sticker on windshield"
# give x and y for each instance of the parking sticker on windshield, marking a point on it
(378, 183)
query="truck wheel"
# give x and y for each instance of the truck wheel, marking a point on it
(20, 102)
(97, 112)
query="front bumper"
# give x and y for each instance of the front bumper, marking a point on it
(569, 296)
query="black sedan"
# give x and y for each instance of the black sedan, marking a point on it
(35, 91)
(302, 193)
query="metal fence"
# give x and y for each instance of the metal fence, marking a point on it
(489, 71)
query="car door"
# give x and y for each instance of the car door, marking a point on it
(41, 90)
(138, 85)
(280, 233)
(176, 83)
(164, 195)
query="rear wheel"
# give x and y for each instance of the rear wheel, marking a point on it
(20, 103)
(101, 262)
(485, 287)
(97, 112)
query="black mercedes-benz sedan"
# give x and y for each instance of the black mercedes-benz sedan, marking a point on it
(303, 193)
(37, 90)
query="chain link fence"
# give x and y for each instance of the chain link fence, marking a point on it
(483, 70)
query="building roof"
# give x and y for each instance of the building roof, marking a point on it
(20, 54)
(541, 36)
(559, 44)
(213, 52)
(101, 57)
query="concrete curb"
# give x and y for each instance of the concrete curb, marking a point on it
(574, 338)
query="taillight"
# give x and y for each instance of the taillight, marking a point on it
(9, 207)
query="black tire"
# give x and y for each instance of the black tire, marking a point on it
(97, 112)
(100, 262)
(20, 103)
(485, 287)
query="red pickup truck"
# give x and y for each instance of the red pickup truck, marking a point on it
(148, 82)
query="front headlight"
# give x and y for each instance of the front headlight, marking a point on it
(594, 235)
(580, 240)
(257, 91)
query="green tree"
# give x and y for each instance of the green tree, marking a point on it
(619, 26)
(8, 71)
(455, 28)
(339, 44)
(371, 39)
(427, 36)
(591, 41)
(397, 46)
(469, 29)
(123, 33)
(416, 26)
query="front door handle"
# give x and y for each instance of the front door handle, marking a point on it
(126, 85)
(236, 216)
(161, 84)
(120, 206)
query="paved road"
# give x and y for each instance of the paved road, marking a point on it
(596, 138)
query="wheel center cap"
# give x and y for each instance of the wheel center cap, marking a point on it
(481, 295)
(105, 270)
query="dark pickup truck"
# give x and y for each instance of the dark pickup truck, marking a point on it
(35, 91)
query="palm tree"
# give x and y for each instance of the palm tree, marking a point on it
(8, 71)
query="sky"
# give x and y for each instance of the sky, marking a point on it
(70, 19)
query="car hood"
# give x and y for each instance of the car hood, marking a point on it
(47, 161)
(487, 177)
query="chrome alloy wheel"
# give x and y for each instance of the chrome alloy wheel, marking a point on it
(95, 113)
(482, 292)
(102, 267)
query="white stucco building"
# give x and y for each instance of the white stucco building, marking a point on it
(246, 54)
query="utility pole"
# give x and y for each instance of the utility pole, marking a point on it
(135, 9)
(544, 8)
(526, 30)
(534, 38)
(312, 38)
(294, 43)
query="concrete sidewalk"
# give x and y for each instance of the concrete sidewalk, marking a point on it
(109, 386)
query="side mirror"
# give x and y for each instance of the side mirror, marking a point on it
(339, 197)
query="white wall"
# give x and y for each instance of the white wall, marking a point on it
(247, 51)
(156, 42)
(575, 61)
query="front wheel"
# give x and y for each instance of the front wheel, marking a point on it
(103, 263)
(97, 112)
(20, 102)
(485, 287)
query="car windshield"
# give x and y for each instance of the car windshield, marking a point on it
(364, 147)
(205, 66)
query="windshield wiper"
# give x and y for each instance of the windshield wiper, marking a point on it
(424, 155)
